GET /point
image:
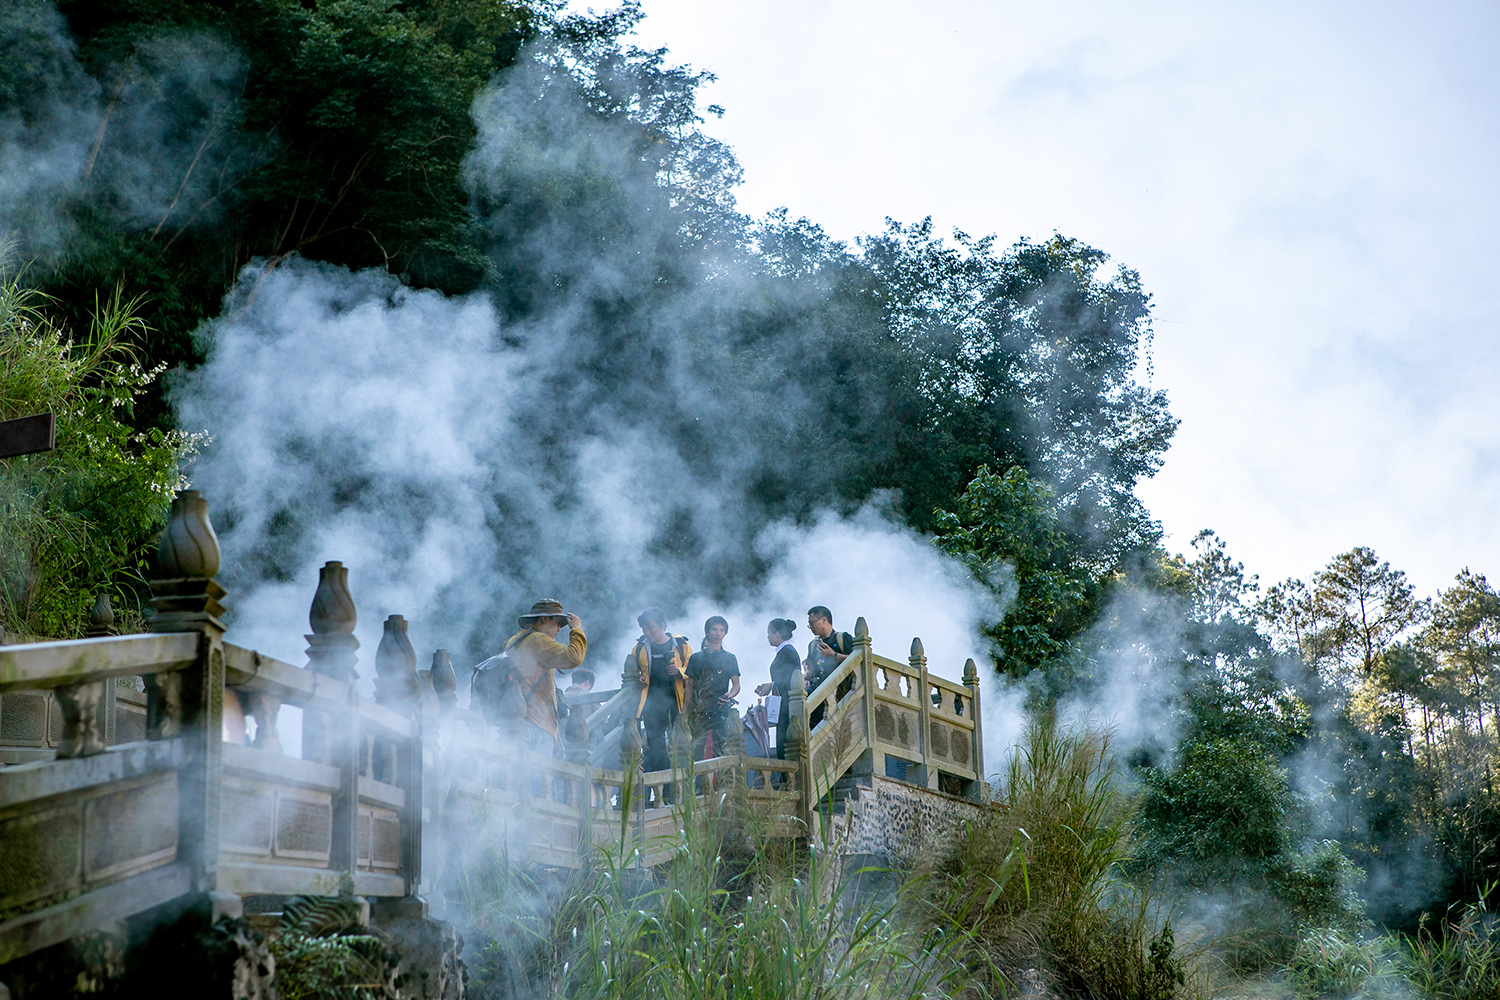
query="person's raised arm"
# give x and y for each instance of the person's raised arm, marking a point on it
(559, 657)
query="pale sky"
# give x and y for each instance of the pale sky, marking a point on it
(1308, 190)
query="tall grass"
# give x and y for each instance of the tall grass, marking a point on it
(84, 516)
(730, 915)
(1045, 863)
(1459, 959)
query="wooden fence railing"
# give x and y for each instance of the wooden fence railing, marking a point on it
(115, 800)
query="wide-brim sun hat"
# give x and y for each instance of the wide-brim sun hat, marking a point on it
(545, 608)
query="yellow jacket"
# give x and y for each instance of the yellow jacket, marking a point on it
(682, 651)
(536, 656)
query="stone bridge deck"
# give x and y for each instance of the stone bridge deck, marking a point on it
(115, 800)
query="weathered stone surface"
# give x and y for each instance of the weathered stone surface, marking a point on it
(892, 820)
(431, 966)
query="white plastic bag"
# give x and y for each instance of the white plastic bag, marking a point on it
(773, 709)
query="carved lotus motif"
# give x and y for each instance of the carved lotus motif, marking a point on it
(188, 546)
(395, 657)
(444, 681)
(332, 606)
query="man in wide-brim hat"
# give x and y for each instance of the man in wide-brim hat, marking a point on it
(536, 653)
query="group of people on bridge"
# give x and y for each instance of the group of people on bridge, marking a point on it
(677, 683)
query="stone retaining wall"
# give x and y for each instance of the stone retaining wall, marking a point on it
(895, 821)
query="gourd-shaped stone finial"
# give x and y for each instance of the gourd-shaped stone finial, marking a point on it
(188, 547)
(395, 663)
(332, 610)
(917, 653)
(103, 616)
(971, 674)
(444, 680)
(861, 630)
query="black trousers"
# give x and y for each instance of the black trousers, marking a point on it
(713, 721)
(658, 716)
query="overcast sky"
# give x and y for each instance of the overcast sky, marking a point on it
(1308, 190)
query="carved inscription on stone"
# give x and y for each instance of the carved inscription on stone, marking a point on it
(248, 810)
(23, 719)
(937, 739)
(960, 747)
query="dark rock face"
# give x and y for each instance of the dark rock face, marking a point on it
(226, 960)
(431, 967)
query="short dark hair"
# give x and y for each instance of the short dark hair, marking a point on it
(783, 627)
(582, 675)
(818, 611)
(650, 615)
(715, 620)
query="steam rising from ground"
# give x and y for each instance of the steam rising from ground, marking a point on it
(355, 419)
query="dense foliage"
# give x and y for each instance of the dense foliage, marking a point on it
(81, 518)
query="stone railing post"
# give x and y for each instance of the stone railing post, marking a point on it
(871, 761)
(189, 704)
(928, 774)
(971, 681)
(333, 737)
(101, 617)
(101, 624)
(680, 744)
(632, 792)
(444, 682)
(397, 688)
(738, 791)
(796, 744)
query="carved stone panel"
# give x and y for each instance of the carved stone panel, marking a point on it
(960, 745)
(387, 839)
(937, 739)
(908, 726)
(383, 827)
(248, 810)
(304, 825)
(23, 719)
(41, 856)
(130, 723)
(131, 829)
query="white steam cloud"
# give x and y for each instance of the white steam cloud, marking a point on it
(358, 420)
(463, 466)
